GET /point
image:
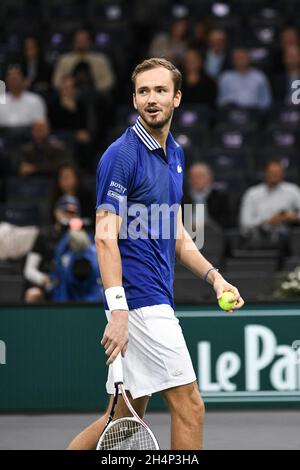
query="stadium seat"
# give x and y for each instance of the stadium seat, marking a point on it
(188, 116)
(238, 117)
(295, 241)
(213, 243)
(11, 288)
(253, 286)
(282, 136)
(11, 267)
(228, 162)
(110, 15)
(27, 189)
(250, 265)
(67, 16)
(291, 263)
(235, 137)
(197, 137)
(21, 213)
(22, 17)
(288, 115)
(189, 288)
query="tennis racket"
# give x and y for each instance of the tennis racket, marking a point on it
(130, 433)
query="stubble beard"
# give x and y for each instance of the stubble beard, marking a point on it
(159, 124)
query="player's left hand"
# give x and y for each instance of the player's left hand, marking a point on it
(220, 286)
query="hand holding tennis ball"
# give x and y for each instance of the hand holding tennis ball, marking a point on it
(224, 301)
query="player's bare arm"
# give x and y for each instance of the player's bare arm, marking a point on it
(115, 337)
(189, 255)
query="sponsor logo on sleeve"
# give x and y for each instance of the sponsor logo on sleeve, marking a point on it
(115, 196)
(117, 187)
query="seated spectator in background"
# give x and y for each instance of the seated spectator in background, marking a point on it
(217, 57)
(66, 112)
(200, 190)
(288, 37)
(68, 115)
(171, 45)
(36, 70)
(245, 85)
(22, 107)
(199, 39)
(197, 87)
(283, 82)
(43, 155)
(269, 209)
(62, 265)
(68, 183)
(91, 69)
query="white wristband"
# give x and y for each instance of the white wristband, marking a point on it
(116, 299)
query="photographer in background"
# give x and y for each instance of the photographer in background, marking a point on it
(44, 268)
(76, 276)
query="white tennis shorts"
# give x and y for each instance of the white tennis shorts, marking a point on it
(157, 357)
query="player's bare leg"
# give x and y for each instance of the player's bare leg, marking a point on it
(187, 416)
(88, 438)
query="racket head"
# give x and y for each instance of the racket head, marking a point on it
(127, 434)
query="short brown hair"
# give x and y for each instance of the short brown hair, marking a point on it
(154, 63)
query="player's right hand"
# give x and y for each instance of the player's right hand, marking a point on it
(115, 337)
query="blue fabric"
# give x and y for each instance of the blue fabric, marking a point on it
(67, 286)
(133, 172)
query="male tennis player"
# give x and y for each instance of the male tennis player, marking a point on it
(143, 169)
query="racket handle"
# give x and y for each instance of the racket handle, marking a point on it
(117, 369)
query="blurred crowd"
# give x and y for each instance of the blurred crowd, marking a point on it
(68, 95)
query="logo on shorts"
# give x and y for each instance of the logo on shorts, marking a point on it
(177, 372)
(119, 296)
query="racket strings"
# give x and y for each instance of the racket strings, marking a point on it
(127, 435)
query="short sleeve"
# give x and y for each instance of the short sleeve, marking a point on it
(115, 174)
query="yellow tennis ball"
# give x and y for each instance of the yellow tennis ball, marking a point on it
(224, 301)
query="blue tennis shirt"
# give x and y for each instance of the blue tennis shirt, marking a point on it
(142, 184)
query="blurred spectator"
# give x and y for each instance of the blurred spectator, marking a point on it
(201, 190)
(90, 69)
(22, 107)
(68, 184)
(40, 261)
(16, 241)
(43, 155)
(172, 45)
(197, 87)
(283, 82)
(245, 85)
(217, 58)
(288, 37)
(66, 112)
(69, 119)
(199, 39)
(269, 209)
(76, 276)
(36, 70)
(62, 265)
